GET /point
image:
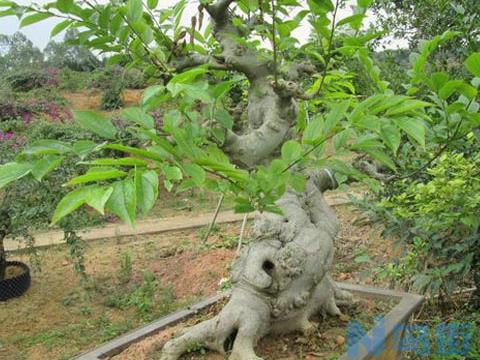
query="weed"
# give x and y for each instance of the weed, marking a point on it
(125, 272)
(197, 347)
(225, 284)
(149, 300)
(201, 232)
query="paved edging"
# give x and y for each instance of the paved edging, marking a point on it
(147, 226)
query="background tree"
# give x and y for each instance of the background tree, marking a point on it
(17, 52)
(65, 54)
(418, 20)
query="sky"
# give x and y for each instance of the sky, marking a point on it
(39, 33)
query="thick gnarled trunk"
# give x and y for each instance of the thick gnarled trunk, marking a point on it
(282, 278)
(279, 281)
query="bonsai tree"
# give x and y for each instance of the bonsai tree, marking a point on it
(269, 157)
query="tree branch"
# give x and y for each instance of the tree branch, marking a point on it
(195, 59)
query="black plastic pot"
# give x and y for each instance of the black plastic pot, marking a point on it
(15, 286)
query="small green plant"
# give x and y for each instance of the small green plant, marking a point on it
(149, 299)
(201, 232)
(125, 272)
(197, 347)
(225, 284)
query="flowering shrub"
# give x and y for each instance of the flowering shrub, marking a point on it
(11, 140)
(26, 109)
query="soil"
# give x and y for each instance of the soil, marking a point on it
(13, 271)
(328, 341)
(58, 318)
(91, 99)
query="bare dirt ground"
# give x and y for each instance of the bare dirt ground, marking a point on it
(58, 318)
(91, 99)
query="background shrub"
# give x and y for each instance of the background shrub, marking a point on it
(28, 79)
(32, 203)
(73, 80)
(134, 79)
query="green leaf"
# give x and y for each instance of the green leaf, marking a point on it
(83, 148)
(150, 92)
(134, 10)
(188, 76)
(57, 29)
(391, 136)
(43, 166)
(243, 206)
(459, 86)
(438, 80)
(336, 113)
(224, 118)
(291, 151)
(65, 6)
(135, 151)
(152, 4)
(13, 171)
(364, 3)
(321, 5)
(407, 106)
(367, 142)
(196, 172)
(95, 196)
(414, 127)
(388, 102)
(96, 123)
(124, 161)
(41, 147)
(340, 139)
(354, 20)
(69, 203)
(32, 19)
(146, 184)
(297, 181)
(222, 88)
(123, 201)
(172, 172)
(96, 175)
(473, 64)
(314, 131)
(381, 157)
(138, 116)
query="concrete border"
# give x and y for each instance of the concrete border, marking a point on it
(144, 227)
(380, 348)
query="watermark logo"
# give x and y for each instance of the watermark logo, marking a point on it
(444, 339)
